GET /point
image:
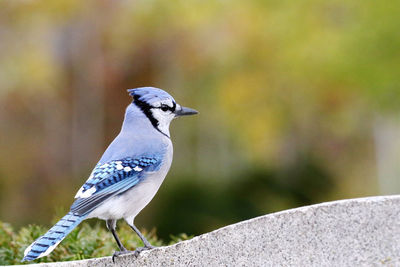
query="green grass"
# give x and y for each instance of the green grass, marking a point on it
(83, 242)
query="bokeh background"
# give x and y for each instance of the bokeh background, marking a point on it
(298, 100)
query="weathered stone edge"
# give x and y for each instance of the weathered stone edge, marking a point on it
(106, 261)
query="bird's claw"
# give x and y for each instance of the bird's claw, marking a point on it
(119, 253)
(141, 249)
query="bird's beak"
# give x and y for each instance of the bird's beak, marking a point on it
(184, 111)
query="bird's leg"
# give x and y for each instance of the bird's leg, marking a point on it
(111, 226)
(146, 243)
(122, 250)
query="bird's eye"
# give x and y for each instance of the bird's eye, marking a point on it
(164, 108)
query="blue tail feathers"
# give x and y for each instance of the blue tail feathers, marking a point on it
(47, 242)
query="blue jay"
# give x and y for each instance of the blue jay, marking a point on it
(128, 174)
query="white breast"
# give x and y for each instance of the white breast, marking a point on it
(129, 204)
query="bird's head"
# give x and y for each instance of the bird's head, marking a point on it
(159, 107)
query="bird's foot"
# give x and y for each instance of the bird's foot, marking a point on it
(141, 249)
(119, 253)
(136, 252)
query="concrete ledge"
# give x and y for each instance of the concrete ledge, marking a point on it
(354, 232)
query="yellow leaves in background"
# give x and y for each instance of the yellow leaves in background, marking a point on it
(253, 114)
(29, 69)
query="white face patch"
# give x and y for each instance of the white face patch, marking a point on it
(167, 102)
(164, 118)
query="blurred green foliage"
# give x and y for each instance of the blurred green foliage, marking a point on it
(291, 96)
(84, 242)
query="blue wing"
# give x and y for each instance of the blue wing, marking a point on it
(110, 179)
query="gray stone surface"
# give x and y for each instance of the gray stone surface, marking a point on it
(355, 232)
